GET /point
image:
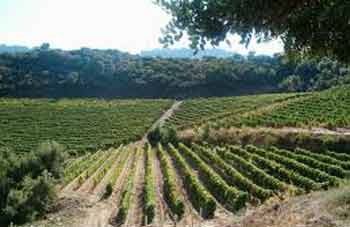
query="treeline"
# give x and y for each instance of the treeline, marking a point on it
(45, 72)
(27, 181)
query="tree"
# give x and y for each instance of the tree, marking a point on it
(311, 27)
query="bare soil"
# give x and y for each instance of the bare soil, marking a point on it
(87, 186)
(163, 215)
(135, 214)
(100, 188)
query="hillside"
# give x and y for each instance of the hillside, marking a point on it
(13, 49)
(185, 184)
(326, 109)
(195, 112)
(54, 73)
(123, 181)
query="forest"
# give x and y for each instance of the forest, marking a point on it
(55, 73)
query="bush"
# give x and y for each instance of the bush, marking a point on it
(162, 135)
(109, 190)
(27, 182)
(154, 136)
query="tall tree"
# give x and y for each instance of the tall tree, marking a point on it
(316, 27)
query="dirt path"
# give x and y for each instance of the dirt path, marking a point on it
(314, 130)
(163, 213)
(135, 214)
(166, 115)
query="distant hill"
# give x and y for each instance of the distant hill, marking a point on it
(13, 49)
(187, 53)
(46, 72)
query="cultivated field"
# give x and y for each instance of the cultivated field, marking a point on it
(198, 183)
(196, 112)
(78, 124)
(327, 109)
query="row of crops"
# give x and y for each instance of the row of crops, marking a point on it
(213, 177)
(76, 123)
(330, 108)
(198, 111)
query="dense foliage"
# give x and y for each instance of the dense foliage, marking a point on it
(45, 72)
(171, 191)
(76, 123)
(199, 196)
(27, 182)
(229, 196)
(313, 27)
(162, 135)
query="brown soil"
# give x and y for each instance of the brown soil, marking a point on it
(163, 212)
(99, 214)
(87, 186)
(189, 134)
(72, 185)
(99, 190)
(304, 211)
(135, 214)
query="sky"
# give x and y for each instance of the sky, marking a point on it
(127, 25)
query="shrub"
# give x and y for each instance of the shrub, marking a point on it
(109, 190)
(27, 182)
(163, 135)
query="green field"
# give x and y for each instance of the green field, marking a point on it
(329, 109)
(195, 112)
(78, 124)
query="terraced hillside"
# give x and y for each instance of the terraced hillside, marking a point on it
(195, 112)
(196, 184)
(78, 124)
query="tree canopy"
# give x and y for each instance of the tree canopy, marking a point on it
(310, 27)
(45, 72)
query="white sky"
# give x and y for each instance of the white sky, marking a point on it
(127, 25)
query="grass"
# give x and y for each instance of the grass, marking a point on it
(338, 202)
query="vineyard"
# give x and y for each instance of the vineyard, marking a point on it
(198, 111)
(329, 109)
(184, 184)
(326, 109)
(77, 124)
